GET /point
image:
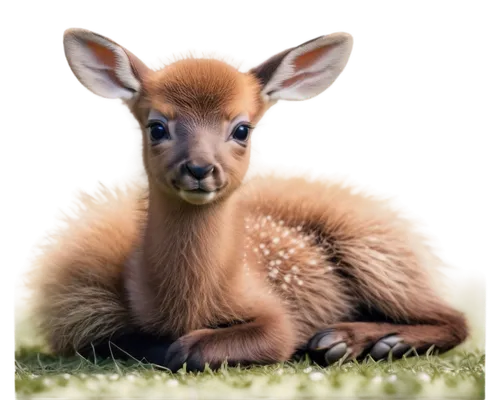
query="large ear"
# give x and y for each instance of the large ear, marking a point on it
(102, 66)
(304, 71)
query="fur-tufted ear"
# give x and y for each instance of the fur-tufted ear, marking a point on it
(304, 71)
(102, 66)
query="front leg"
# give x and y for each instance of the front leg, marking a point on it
(267, 338)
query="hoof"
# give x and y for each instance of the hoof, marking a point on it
(326, 348)
(392, 344)
(177, 355)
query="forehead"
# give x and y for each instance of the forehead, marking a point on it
(203, 88)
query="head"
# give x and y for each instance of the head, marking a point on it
(197, 116)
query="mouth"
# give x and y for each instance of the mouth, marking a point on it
(197, 196)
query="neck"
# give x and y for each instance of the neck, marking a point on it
(190, 254)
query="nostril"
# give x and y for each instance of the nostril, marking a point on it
(200, 172)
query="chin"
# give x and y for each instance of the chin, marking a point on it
(197, 197)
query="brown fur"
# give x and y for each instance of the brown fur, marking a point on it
(278, 259)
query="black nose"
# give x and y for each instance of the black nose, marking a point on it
(200, 172)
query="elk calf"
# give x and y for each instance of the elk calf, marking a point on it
(199, 268)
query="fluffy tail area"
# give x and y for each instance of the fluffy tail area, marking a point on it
(77, 281)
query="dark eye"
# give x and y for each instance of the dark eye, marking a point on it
(157, 131)
(241, 133)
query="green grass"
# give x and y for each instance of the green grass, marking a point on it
(457, 374)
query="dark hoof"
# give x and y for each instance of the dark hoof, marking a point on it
(326, 348)
(389, 345)
(177, 355)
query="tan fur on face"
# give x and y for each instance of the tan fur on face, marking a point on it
(204, 89)
(276, 259)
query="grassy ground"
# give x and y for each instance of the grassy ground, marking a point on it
(457, 374)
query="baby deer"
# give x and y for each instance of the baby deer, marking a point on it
(199, 268)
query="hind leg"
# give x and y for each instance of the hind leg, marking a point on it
(356, 340)
(388, 322)
(397, 311)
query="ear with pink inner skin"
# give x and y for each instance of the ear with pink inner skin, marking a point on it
(304, 71)
(103, 66)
